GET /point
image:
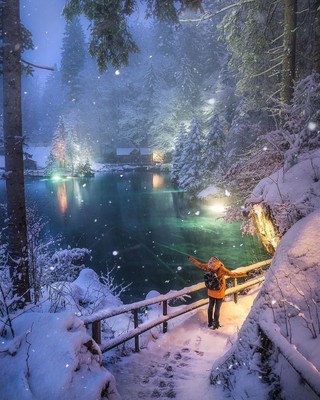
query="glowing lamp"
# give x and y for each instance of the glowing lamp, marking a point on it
(217, 207)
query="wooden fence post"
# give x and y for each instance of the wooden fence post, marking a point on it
(235, 295)
(165, 312)
(96, 331)
(136, 324)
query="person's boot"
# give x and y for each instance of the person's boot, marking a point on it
(216, 325)
(210, 323)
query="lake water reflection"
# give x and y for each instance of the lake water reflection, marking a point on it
(137, 223)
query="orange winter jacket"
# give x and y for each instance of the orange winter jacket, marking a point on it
(215, 265)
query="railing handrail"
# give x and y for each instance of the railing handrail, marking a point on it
(96, 318)
(307, 371)
(104, 314)
(162, 320)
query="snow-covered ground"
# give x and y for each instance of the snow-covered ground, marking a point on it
(177, 364)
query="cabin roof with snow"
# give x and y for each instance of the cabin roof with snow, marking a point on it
(127, 151)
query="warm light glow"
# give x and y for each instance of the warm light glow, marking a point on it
(56, 178)
(62, 198)
(158, 156)
(157, 181)
(265, 229)
(217, 207)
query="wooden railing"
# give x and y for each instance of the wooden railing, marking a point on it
(95, 319)
(306, 370)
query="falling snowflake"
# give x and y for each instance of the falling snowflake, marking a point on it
(312, 126)
(115, 252)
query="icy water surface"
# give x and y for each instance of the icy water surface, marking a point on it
(137, 223)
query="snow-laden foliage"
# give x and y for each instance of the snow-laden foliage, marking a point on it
(177, 155)
(192, 159)
(248, 124)
(215, 160)
(47, 265)
(302, 126)
(281, 147)
(68, 154)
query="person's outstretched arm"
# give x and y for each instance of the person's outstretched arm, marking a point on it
(233, 274)
(199, 264)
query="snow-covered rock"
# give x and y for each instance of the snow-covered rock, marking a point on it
(291, 194)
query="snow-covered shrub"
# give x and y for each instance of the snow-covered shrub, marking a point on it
(86, 294)
(46, 264)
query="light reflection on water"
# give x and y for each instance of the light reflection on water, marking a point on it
(140, 225)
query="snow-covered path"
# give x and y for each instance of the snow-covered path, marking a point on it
(178, 364)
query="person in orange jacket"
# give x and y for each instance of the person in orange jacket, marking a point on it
(216, 296)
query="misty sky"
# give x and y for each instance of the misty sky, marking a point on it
(43, 18)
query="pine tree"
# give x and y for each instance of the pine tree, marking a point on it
(57, 162)
(73, 57)
(178, 152)
(186, 79)
(215, 162)
(150, 81)
(192, 171)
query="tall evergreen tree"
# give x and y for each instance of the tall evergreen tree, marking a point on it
(150, 81)
(57, 160)
(215, 162)
(73, 57)
(192, 172)
(177, 155)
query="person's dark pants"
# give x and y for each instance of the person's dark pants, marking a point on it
(216, 304)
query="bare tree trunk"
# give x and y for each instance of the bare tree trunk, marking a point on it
(12, 123)
(316, 40)
(289, 59)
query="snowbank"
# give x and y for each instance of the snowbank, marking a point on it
(52, 357)
(292, 194)
(290, 298)
(211, 191)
